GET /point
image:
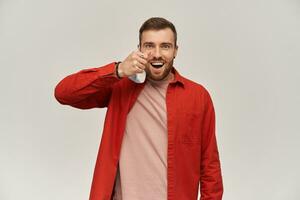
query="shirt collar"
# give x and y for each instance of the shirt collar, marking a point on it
(177, 78)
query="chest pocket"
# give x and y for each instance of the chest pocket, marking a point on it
(190, 124)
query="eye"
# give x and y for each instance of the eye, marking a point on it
(148, 46)
(166, 46)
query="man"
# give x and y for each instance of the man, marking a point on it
(159, 137)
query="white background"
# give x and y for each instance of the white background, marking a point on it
(246, 53)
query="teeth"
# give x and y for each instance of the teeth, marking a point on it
(157, 63)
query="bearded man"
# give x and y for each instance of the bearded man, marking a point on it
(158, 140)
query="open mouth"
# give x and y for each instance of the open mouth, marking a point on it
(157, 64)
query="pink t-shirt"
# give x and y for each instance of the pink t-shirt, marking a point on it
(142, 173)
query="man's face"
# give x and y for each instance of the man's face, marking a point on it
(160, 45)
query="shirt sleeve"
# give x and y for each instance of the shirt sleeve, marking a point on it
(88, 88)
(211, 184)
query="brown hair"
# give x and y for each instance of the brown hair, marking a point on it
(157, 23)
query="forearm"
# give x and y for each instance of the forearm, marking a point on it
(87, 88)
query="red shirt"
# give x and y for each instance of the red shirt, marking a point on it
(193, 156)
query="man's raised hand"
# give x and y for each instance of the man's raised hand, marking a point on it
(135, 63)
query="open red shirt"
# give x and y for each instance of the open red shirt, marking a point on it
(193, 156)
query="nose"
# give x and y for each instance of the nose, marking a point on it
(156, 53)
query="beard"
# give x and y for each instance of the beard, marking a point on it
(166, 70)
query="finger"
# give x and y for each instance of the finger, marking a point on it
(138, 69)
(136, 63)
(141, 57)
(140, 65)
(140, 54)
(146, 56)
(142, 60)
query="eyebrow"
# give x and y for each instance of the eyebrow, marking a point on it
(148, 43)
(167, 43)
(164, 43)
